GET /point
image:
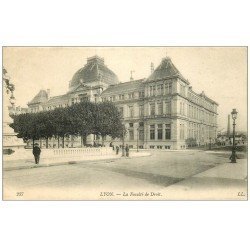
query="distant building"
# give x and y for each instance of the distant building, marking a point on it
(161, 111)
(13, 110)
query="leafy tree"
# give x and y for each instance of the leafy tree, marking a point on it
(82, 117)
(61, 123)
(79, 119)
(26, 126)
(44, 121)
(108, 120)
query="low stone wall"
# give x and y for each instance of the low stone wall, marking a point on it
(26, 154)
(67, 152)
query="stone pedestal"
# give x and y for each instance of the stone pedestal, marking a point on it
(10, 141)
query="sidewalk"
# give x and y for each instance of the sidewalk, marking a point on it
(226, 181)
(29, 163)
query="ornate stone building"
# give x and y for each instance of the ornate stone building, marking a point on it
(160, 112)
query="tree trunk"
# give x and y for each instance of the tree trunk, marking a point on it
(84, 139)
(47, 142)
(102, 140)
(63, 141)
(40, 143)
(58, 141)
(81, 140)
(33, 142)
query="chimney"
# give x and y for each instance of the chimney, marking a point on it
(152, 67)
(48, 93)
(131, 75)
(228, 126)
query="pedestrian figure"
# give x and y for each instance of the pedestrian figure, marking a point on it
(117, 150)
(112, 146)
(36, 153)
(127, 150)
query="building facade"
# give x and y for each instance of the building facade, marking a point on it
(159, 112)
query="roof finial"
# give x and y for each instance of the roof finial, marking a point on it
(152, 67)
(167, 55)
(131, 75)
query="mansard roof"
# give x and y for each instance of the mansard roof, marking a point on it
(165, 70)
(124, 87)
(59, 98)
(41, 97)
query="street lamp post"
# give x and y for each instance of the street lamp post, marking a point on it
(137, 139)
(210, 143)
(123, 140)
(234, 117)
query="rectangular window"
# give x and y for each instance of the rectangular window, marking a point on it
(131, 96)
(182, 131)
(182, 90)
(182, 108)
(168, 131)
(121, 97)
(151, 90)
(141, 124)
(168, 88)
(160, 89)
(141, 94)
(154, 90)
(141, 110)
(168, 108)
(159, 132)
(131, 125)
(131, 134)
(141, 135)
(152, 132)
(152, 109)
(160, 108)
(131, 111)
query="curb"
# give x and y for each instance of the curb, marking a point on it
(68, 163)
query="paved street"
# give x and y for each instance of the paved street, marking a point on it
(165, 175)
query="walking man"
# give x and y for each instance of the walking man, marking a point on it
(117, 150)
(127, 150)
(36, 153)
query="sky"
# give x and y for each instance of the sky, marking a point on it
(221, 72)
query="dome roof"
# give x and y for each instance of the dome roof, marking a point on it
(94, 70)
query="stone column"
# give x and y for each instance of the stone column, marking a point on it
(163, 132)
(164, 107)
(156, 134)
